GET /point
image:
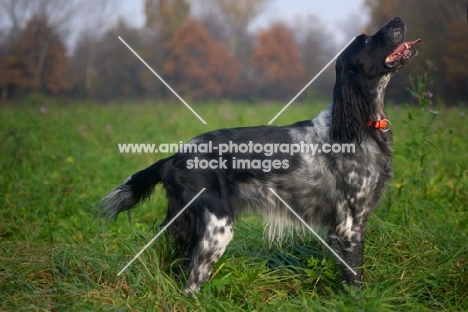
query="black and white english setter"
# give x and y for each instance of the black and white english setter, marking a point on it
(337, 191)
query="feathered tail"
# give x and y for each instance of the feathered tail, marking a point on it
(135, 190)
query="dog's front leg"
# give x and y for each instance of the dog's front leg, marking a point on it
(350, 250)
(349, 242)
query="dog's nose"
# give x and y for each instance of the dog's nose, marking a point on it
(397, 20)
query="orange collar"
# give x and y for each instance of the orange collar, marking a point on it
(379, 124)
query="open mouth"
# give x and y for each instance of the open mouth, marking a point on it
(402, 53)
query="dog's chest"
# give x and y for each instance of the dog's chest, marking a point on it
(365, 176)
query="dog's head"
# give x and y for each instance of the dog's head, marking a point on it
(378, 55)
(363, 71)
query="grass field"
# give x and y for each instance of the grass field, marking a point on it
(57, 161)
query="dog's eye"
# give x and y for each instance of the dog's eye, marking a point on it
(368, 40)
(350, 71)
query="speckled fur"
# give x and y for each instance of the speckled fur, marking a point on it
(337, 191)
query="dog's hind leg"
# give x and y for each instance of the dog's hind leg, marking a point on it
(217, 234)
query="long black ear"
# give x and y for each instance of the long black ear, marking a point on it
(352, 104)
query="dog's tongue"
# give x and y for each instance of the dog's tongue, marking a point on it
(405, 46)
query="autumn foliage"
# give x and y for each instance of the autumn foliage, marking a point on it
(212, 55)
(276, 63)
(197, 66)
(37, 61)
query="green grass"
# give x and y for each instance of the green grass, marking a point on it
(54, 255)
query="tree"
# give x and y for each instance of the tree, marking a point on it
(55, 15)
(276, 63)
(83, 72)
(215, 27)
(316, 50)
(98, 12)
(165, 16)
(237, 15)
(94, 23)
(198, 66)
(31, 65)
(116, 70)
(15, 12)
(44, 22)
(16, 75)
(456, 59)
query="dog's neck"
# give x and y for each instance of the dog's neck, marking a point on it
(378, 93)
(353, 108)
